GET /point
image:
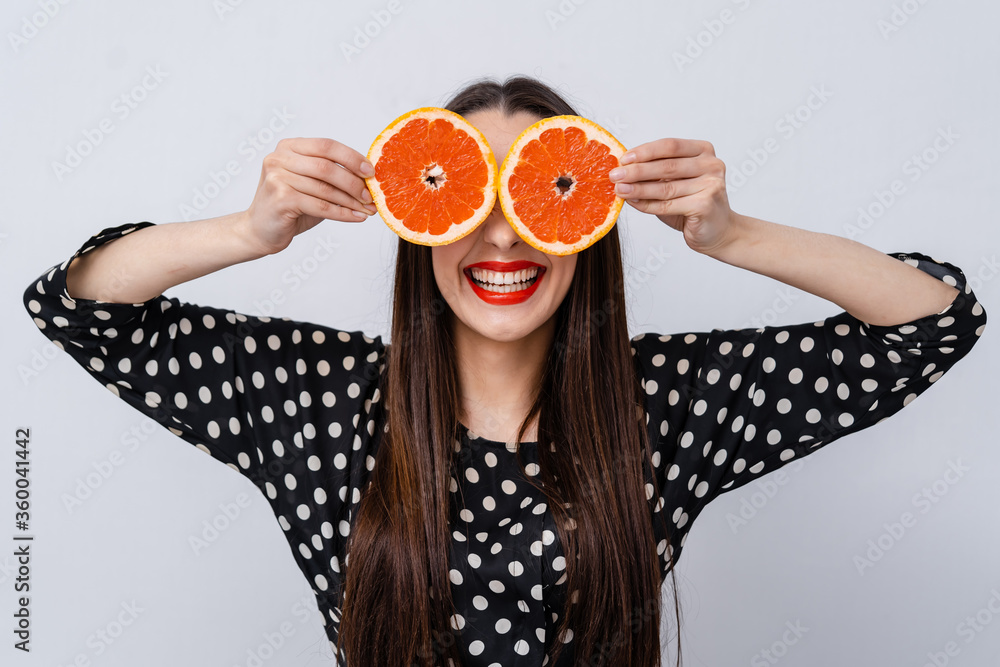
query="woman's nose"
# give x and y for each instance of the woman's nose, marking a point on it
(498, 231)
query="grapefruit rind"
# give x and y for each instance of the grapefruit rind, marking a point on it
(457, 230)
(593, 132)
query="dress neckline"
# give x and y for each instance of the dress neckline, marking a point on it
(470, 435)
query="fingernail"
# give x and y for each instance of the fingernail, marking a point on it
(616, 173)
(367, 169)
(623, 188)
(628, 158)
(371, 209)
(359, 214)
(366, 197)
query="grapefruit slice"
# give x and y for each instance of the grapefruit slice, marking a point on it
(554, 186)
(435, 176)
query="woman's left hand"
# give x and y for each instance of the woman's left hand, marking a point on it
(682, 183)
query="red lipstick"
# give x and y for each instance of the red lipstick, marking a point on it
(508, 298)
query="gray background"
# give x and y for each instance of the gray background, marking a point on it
(226, 67)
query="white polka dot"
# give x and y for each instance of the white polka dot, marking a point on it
(867, 360)
(812, 416)
(502, 626)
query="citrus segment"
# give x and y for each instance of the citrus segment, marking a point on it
(554, 186)
(435, 176)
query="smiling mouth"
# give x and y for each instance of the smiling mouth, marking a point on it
(505, 282)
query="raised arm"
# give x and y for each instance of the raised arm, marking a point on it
(303, 182)
(682, 182)
(146, 262)
(727, 406)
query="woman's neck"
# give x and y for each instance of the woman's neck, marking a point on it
(498, 380)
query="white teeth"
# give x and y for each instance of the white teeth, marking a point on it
(506, 278)
(502, 283)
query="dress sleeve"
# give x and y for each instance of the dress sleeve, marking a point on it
(280, 401)
(728, 406)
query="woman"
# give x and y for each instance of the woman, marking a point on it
(494, 470)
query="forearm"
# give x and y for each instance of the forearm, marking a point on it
(143, 264)
(868, 284)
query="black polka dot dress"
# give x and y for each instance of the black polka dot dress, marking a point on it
(296, 408)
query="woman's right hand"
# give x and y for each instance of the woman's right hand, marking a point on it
(303, 182)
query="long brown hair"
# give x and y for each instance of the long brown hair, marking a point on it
(397, 606)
